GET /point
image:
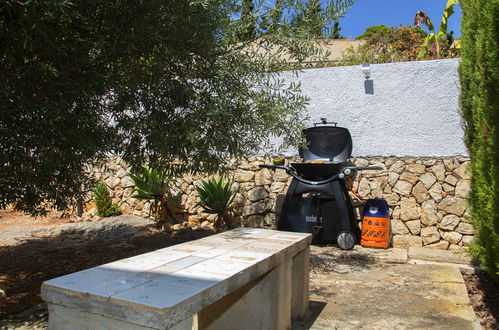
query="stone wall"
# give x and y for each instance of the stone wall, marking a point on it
(427, 196)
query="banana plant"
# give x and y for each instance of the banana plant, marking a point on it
(216, 197)
(434, 38)
(154, 185)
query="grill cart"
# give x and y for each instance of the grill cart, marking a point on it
(317, 200)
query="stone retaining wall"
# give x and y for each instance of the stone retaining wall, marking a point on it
(427, 196)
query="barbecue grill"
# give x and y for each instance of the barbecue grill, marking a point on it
(317, 200)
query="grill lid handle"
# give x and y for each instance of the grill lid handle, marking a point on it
(325, 122)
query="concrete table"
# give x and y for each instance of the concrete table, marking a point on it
(246, 278)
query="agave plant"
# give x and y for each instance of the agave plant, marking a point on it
(154, 185)
(216, 197)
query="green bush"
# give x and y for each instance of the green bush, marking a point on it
(105, 207)
(479, 102)
(396, 44)
(216, 197)
(154, 185)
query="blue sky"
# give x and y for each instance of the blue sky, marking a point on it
(365, 13)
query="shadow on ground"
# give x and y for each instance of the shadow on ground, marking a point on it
(24, 267)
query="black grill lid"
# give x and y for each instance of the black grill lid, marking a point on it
(327, 143)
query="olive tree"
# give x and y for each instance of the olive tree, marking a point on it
(153, 81)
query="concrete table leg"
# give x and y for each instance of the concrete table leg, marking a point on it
(264, 303)
(300, 284)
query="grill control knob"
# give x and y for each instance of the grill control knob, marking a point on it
(347, 171)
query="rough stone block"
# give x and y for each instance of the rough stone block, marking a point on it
(449, 222)
(277, 187)
(416, 168)
(410, 177)
(409, 209)
(436, 192)
(405, 241)
(451, 236)
(427, 179)
(451, 179)
(467, 240)
(441, 245)
(414, 226)
(244, 176)
(429, 162)
(430, 235)
(263, 177)
(463, 189)
(429, 213)
(398, 227)
(438, 255)
(361, 162)
(256, 194)
(364, 188)
(254, 221)
(465, 228)
(447, 187)
(462, 171)
(392, 178)
(397, 167)
(451, 164)
(403, 188)
(420, 193)
(391, 198)
(439, 171)
(255, 208)
(281, 176)
(453, 205)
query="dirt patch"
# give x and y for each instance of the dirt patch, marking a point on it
(484, 296)
(19, 219)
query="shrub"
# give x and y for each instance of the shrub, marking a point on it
(479, 104)
(216, 197)
(154, 185)
(103, 203)
(396, 44)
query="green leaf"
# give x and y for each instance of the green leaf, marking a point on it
(103, 203)
(449, 10)
(215, 195)
(430, 40)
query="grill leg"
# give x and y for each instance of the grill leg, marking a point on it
(341, 207)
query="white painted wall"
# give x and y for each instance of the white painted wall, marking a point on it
(413, 109)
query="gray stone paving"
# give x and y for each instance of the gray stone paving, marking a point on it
(381, 292)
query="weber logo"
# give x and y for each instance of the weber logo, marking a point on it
(310, 218)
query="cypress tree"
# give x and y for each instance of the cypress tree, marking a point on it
(335, 34)
(479, 102)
